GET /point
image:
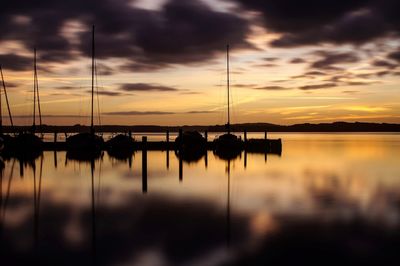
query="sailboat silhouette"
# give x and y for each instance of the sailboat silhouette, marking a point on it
(228, 146)
(86, 146)
(28, 146)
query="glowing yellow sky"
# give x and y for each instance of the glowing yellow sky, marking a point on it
(200, 95)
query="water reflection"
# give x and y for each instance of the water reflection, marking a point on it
(327, 200)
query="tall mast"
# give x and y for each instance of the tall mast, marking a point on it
(8, 105)
(93, 54)
(228, 84)
(37, 95)
(34, 90)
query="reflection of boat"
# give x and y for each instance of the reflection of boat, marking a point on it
(121, 146)
(85, 146)
(191, 146)
(228, 146)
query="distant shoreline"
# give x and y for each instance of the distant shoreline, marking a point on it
(336, 127)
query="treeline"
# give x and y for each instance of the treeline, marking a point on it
(250, 127)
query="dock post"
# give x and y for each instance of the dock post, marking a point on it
(55, 137)
(245, 135)
(265, 135)
(168, 159)
(206, 135)
(144, 164)
(245, 159)
(55, 159)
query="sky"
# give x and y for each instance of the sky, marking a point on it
(163, 62)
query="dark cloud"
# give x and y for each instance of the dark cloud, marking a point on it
(140, 113)
(359, 83)
(180, 32)
(200, 112)
(11, 84)
(383, 73)
(190, 92)
(318, 86)
(270, 59)
(384, 63)
(104, 70)
(107, 93)
(67, 88)
(243, 85)
(272, 88)
(376, 74)
(394, 56)
(330, 59)
(297, 61)
(145, 87)
(157, 113)
(265, 65)
(15, 62)
(313, 22)
(350, 92)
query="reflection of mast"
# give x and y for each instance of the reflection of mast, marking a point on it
(93, 214)
(4, 205)
(167, 159)
(36, 198)
(180, 169)
(228, 207)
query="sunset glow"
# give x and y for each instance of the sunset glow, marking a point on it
(163, 62)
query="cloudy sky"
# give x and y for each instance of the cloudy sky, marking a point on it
(163, 61)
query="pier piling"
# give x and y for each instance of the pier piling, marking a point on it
(144, 164)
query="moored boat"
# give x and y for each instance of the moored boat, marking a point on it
(228, 145)
(191, 146)
(86, 146)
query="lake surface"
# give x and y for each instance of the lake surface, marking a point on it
(329, 199)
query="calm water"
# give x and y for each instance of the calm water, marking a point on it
(328, 199)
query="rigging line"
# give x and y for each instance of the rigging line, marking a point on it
(38, 101)
(8, 105)
(228, 85)
(34, 90)
(93, 55)
(97, 94)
